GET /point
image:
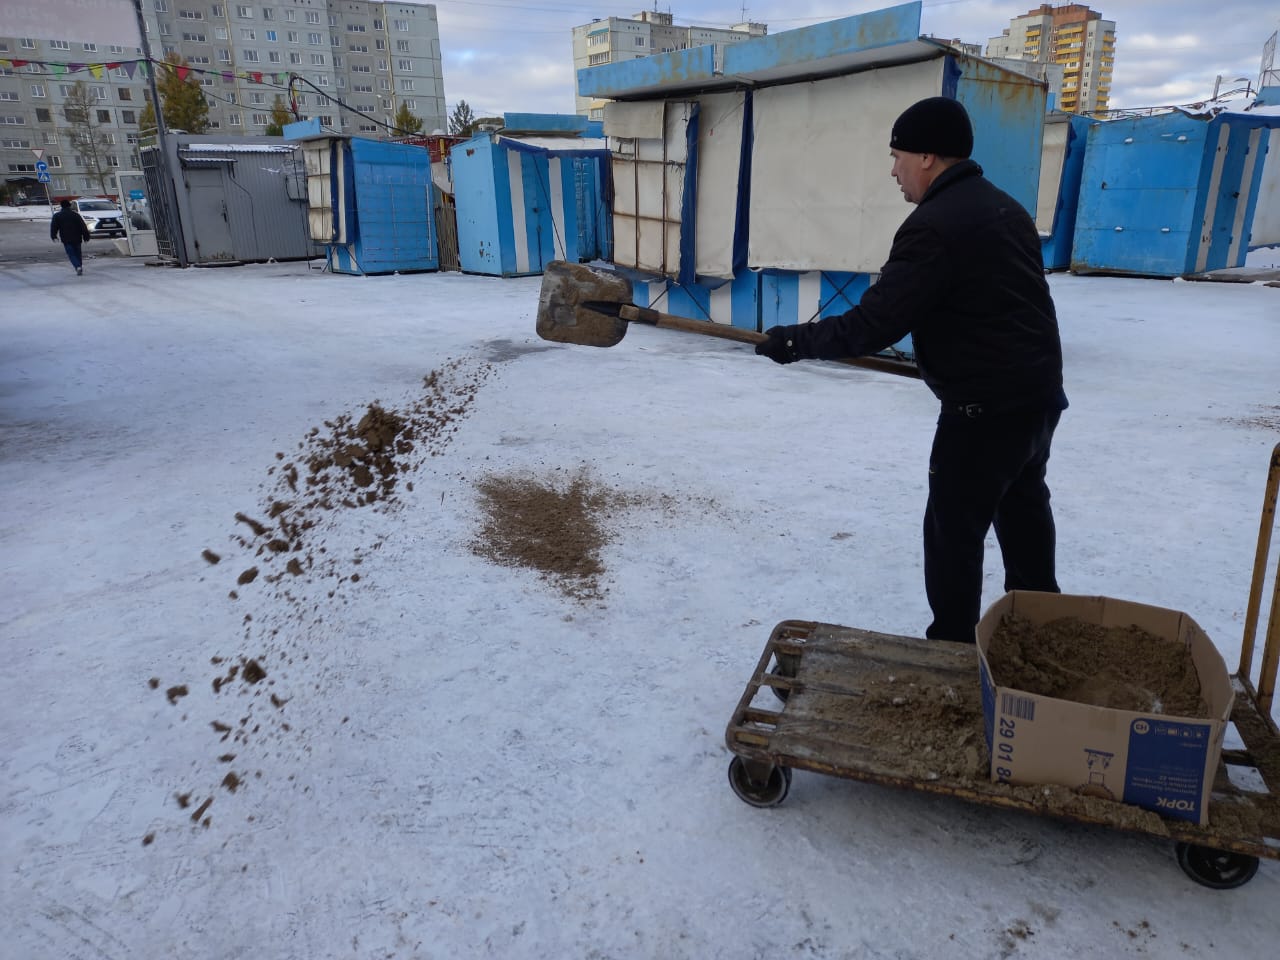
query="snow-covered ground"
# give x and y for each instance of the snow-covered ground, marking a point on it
(465, 762)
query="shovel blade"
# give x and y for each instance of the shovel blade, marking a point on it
(562, 312)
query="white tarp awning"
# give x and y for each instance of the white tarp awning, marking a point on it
(821, 194)
(720, 132)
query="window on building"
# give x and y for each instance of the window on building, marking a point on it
(37, 90)
(43, 115)
(60, 44)
(406, 85)
(248, 34)
(27, 44)
(379, 44)
(268, 14)
(125, 93)
(404, 65)
(216, 10)
(295, 58)
(315, 38)
(321, 80)
(9, 95)
(273, 56)
(15, 144)
(224, 56)
(244, 12)
(271, 36)
(383, 84)
(162, 6)
(313, 16)
(193, 37)
(130, 138)
(91, 47)
(292, 36)
(259, 119)
(190, 15)
(326, 120)
(98, 92)
(317, 59)
(598, 58)
(54, 162)
(249, 56)
(104, 116)
(233, 119)
(402, 46)
(382, 64)
(401, 26)
(337, 60)
(639, 41)
(220, 33)
(291, 16)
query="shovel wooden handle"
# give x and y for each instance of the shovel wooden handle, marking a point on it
(707, 328)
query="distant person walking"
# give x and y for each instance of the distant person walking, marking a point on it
(73, 230)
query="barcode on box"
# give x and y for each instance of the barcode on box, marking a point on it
(1012, 705)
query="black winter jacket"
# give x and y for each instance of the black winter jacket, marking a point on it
(71, 225)
(965, 278)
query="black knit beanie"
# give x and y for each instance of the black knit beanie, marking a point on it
(934, 125)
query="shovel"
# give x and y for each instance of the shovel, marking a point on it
(592, 308)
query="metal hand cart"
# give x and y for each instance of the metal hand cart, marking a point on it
(834, 685)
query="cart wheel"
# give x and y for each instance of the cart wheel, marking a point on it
(785, 665)
(1220, 869)
(768, 793)
(780, 692)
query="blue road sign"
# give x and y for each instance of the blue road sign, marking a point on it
(42, 166)
(42, 177)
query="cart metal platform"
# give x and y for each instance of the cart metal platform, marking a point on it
(836, 683)
(848, 696)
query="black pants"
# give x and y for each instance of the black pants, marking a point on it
(984, 470)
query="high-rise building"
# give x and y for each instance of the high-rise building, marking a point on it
(372, 56)
(1071, 35)
(648, 32)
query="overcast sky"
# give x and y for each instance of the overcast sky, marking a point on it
(516, 55)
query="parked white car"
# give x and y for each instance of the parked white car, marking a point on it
(102, 216)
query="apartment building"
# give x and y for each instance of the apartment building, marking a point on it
(612, 39)
(1073, 36)
(372, 56)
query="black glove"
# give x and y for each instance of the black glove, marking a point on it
(781, 345)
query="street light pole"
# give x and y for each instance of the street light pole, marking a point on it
(170, 189)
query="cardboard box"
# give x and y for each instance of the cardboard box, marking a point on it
(1158, 761)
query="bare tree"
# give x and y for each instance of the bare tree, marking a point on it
(88, 139)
